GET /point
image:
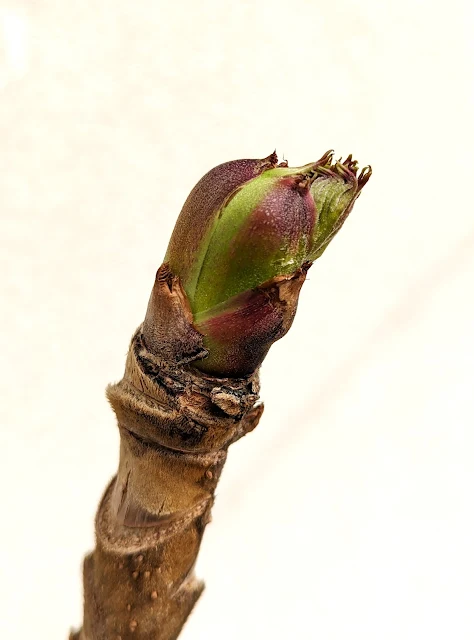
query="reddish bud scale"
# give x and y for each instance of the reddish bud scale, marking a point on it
(240, 333)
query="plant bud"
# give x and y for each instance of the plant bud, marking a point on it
(242, 245)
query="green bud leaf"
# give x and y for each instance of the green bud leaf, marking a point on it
(334, 190)
(200, 213)
(263, 231)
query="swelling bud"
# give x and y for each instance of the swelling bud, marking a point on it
(243, 243)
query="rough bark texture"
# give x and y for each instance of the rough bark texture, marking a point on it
(176, 425)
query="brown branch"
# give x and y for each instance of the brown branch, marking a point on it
(176, 425)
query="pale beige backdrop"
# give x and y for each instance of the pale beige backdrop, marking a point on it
(348, 513)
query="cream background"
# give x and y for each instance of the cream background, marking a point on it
(348, 513)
